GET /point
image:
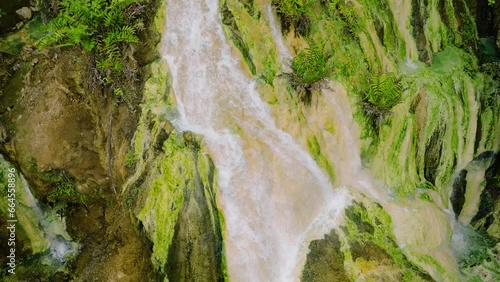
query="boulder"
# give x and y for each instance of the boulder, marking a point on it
(25, 13)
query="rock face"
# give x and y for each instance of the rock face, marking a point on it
(64, 133)
(173, 192)
(487, 18)
(325, 262)
(427, 151)
(487, 218)
(53, 122)
(458, 194)
(196, 252)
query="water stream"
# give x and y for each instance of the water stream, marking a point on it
(274, 197)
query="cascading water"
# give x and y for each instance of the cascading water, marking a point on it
(344, 152)
(274, 197)
(60, 245)
(48, 228)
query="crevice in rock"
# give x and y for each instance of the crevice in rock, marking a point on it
(194, 254)
(457, 197)
(489, 197)
(432, 156)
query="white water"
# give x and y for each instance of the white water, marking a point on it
(274, 197)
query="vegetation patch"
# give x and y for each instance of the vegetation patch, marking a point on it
(294, 13)
(105, 27)
(309, 69)
(369, 237)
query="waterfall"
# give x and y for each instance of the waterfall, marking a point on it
(60, 245)
(273, 195)
(45, 229)
(415, 222)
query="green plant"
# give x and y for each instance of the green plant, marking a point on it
(130, 159)
(102, 26)
(309, 66)
(63, 187)
(292, 8)
(294, 12)
(309, 69)
(385, 91)
(346, 11)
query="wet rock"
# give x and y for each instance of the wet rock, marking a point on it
(355, 216)
(236, 36)
(176, 205)
(487, 218)
(196, 250)
(325, 261)
(419, 14)
(486, 15)
(458, 193)
(432, 157)
(10, 18)
(368, 251)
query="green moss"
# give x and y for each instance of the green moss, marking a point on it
(166, 195)
(369, 225)
(233, 29)
(380, 14)
(224, 267)
(315, 151)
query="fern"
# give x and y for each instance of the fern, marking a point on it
(292, 8)
(384, 92)
(100, 26)
(294, 12)
(309, 70)
(309, 66)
